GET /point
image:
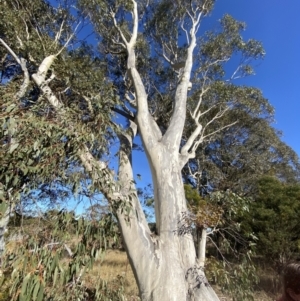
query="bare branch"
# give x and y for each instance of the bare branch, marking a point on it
(175, 129)
(223, 257)
(26, 28)
(217, 116)
(20, 41)
(135, 24)
(58, 34)
(136, 233)
(68, 250)
(130, 100)
(188, 151)
(166, 58)
(208, 110)
(186, 32)
(233, 76)
(91, 165)
(40, 79)
(117, 43)
(112, 14)
(124, 114)
(50, 245)
(147, 125)
(22, 62)
(11, 52)
(202, 247)
(219, 130)
(68, 41)
(192, 138)
(203, 91)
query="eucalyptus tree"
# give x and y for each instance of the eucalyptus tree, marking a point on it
(236, 157)
(35, 146)
(157, 68)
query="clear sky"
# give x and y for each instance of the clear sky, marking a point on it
(277, 25)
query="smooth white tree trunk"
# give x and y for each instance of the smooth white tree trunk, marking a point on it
(164, 264)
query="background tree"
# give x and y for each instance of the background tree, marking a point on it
(274, 220)
(237, 156)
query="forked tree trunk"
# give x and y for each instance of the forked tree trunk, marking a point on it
(164, 264)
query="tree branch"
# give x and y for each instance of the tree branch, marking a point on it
(134, 227)
(135, 23)
(11, 52)
(119, 29)
(40, 79)
(68, 41)
(22, 62)
(124, 114)
(102, 176)
(175, 129)
(148, 128)
(195, 116)
(219, 130)
(202, 247)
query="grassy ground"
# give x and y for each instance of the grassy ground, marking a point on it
(114, 265)
(112, 268)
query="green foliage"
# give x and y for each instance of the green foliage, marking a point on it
(237, 156)
(56, 254)
(229, 41)
(37, 145)
(232, 269)
(192, 196)
(274, 218)
(204, 212)
(236, 279)
(108, 292)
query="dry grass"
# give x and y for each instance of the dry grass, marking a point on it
(114, 268)
(115, 264)
(259, 295)
(269, 284)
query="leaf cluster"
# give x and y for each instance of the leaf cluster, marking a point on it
(38, 144)
(57, 254)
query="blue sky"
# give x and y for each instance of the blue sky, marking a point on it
(277, 25)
